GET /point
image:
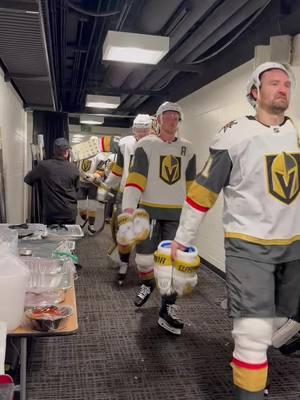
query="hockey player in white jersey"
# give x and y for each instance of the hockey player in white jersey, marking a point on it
(90, 171)
(255, 161)
(142, 126)
(162, 168)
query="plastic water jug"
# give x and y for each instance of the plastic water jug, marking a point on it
(8, 241)
(14, 276)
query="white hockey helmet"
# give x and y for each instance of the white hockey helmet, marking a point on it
(142, 121)
(169, 106)
(141, 125)
(254, 80)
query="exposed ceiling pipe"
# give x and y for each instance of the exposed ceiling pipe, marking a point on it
(84, 73)
(250, 8)
(55, 47)
(91, 13)
(124, 13)
(209, 37)
(122, 18)
(62, 47)
(76, 64)
(119, 75)
(162, 10)
(44, 12)
(206, 35)
(163, 78)
(201, 11)
(239, 53)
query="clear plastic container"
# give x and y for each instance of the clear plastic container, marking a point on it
(48, 318)
(13, 283)
(8, 242)
(46, 248)
(47, 274)
(72, 232)
(27, 231)
(43, 299)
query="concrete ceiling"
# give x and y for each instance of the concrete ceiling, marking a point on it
(51, 50)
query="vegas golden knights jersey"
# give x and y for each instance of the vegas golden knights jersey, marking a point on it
(91, 165)
(159, 175)
(109, 144)
(119, 173)
(257, 166)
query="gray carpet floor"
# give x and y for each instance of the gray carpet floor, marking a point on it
(120, 353)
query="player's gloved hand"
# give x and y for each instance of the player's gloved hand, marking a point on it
(185, 270)
(99, 180)
(174, 247)
(141, 224)
(89, 177)
(125, 234)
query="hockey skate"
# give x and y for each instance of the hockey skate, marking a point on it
(241, 394)
(91, 230)
(123, 267)
(144, 294)
(168, 318)
(267, 391)
(286, 332)
(291, 346)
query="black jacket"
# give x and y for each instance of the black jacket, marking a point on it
(59, 180)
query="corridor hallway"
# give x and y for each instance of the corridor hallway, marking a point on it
(120, 353)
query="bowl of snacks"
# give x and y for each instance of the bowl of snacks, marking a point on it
(48, 318)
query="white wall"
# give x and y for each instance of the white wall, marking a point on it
(205, 112)
(13, 125)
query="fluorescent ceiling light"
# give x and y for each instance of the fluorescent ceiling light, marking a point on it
(91, 120)
(102, 101)
(134, 47)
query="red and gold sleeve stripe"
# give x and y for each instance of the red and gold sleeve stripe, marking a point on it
(136, 180)
(188, 185)
(250, 377)
(200, 198)
(117, 170)
(105, 144)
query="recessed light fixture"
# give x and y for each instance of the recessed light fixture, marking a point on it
(91, 119)
(97, 101)
(135, 47)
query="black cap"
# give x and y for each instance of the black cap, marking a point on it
(61, 143)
